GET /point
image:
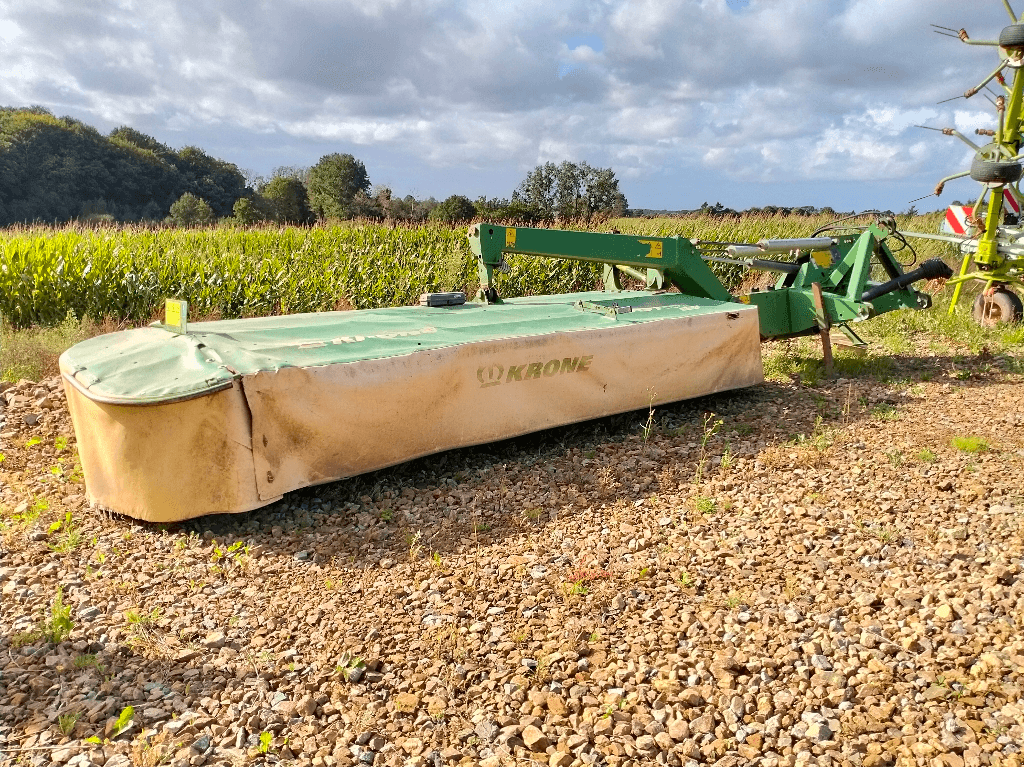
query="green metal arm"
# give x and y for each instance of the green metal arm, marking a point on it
(788, 309)
(674, 260)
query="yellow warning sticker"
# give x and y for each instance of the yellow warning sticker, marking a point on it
(510, 237)
(175, 314)
(655, 248)
(822, 258)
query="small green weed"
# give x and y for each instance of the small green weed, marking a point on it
(55, 629)
(726, 463)
(925, 455)
(895, 457)
(575, 588)
(123, 722)
(970, 444)
(135, 619)
(87, 660)
(885, 412)
(70, 535)
(648, 426)
(66, 723)
(263, 747)
(415, 547)
(710, 428)
(704, 505)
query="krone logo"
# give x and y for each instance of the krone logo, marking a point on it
(490, 375)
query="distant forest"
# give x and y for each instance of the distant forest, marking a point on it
(54, 170)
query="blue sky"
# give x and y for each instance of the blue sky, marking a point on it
(743, 102)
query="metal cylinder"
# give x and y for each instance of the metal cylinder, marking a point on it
(798, 243)
(744, 251)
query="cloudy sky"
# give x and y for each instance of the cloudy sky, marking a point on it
(743, 102)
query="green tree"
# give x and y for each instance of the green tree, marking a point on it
(570, 191)
(333, 184)
(219, 183)
(246, 212)
(287, 200)
(455, 210)
(58, 169)
(189, 210)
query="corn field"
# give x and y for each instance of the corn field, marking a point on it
(125, 274)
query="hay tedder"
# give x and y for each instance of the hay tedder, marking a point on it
(178, 420)
(988, 234)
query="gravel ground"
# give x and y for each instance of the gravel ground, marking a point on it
(822, 578)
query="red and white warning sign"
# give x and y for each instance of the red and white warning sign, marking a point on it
(1011, 202)
(959, 217)
(956, 221)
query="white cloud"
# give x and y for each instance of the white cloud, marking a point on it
(778, 91)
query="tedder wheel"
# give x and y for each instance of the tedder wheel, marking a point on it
(1012, 36)
(1000, 306)
(995, 171)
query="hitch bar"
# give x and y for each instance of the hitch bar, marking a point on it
(931, 269)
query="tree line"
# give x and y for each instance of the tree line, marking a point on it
(58, 169)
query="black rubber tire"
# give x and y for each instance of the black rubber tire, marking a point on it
(1012, 36)
(995, 172)
(1002, 306)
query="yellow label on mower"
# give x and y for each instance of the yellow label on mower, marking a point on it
(175, 315)
(510, 237)
(655, 248)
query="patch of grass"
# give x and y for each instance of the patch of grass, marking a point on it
(703, 505)
(138, 621)
(884, 534)
(710, 427)
(970, 444)
(648, 426)
(55, 628)
(415, 547)
(575, 589)
(925, 455)
(885, 412)
(58, 626)
(70, 535)
(66, 723)
(87, 660)
(32, 353)
(726, 463)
